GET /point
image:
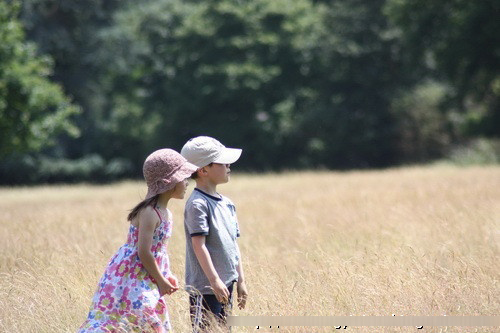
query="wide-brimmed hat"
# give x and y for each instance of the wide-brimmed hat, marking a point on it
(203, 150)
(163, 169)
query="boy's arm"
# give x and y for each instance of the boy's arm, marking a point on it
(220, 290)
(241, 286)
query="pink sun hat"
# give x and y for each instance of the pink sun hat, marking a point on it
(163, 169)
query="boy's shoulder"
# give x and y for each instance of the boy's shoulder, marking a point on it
(226, 199)
(195, 198)
(198, 197)
(200, 194)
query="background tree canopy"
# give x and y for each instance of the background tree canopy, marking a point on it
(295, 83)
(32, 109)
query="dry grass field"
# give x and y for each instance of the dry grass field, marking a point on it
(409, 241)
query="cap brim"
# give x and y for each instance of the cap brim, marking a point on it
(228, 156)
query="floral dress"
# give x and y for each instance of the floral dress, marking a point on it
(127, 297)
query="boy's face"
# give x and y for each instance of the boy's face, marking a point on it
(218, 173)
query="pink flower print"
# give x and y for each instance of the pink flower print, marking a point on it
(113, 267)
(105, 302)
(124, 306)
(135, 270)
(142, 274)
(160, 307)
(126, 290)
(115, 316)
(99, 315)
(108, 288)
(122, 269)
(110, 326)
(132, 319)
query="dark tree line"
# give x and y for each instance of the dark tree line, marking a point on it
(89, 88)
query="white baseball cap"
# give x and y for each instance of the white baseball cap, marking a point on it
(203, 150)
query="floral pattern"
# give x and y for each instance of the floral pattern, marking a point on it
(127, 297)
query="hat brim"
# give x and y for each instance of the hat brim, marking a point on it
(185, 171)
(228, 156)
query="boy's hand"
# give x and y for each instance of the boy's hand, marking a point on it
(242, 294)
(220, 290)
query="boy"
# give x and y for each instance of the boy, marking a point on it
(213, 261)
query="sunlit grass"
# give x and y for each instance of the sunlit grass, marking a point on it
(412, 241)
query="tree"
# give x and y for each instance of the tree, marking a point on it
(69, 31)
(458, 41)
(33, 110)
(356, 70)
(298, 84)
(228, 69)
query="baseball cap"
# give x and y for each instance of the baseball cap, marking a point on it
(203, 150)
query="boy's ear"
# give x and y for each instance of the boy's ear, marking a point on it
(201, 172)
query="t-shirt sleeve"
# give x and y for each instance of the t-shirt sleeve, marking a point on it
(237, 227)
(232, 207)
(196, 218)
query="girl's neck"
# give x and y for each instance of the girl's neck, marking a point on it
(163, 201)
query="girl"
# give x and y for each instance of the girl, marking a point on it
(129, 294)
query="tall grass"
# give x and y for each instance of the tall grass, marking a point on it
(411, 241)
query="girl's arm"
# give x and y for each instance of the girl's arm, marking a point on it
(200, 250)
(148, 221)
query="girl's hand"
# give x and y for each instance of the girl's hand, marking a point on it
(166, 287)
(173, 280)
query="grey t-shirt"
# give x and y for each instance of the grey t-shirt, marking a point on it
(215, 218)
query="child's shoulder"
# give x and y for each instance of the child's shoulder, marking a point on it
(226, 199)
(195, 199)
(150, 212)
(148, 215)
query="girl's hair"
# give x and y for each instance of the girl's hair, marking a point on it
(141, 205)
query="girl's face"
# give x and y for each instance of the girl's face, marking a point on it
(180, 189)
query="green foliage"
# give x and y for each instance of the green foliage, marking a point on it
(69, 31)
(421, 123)
(90, 168)
(296, 83)
(227, 69)
(355, 70)
(458, 40)
(33, 110)
(476, 152)
(275, 76)
(33, 169)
